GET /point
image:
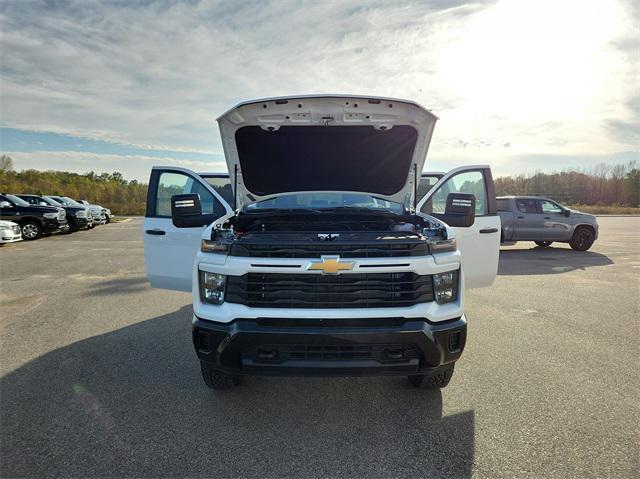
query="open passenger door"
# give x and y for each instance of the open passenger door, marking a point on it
(169, 251)
(479, 243)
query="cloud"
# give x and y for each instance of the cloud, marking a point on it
(154, 75)
(159, 73)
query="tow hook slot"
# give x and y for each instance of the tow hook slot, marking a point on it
(455, 342)
(394, 354)
(267, 355)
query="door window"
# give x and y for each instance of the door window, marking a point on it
(550, 207)
(525, 205)
(174, 183)
(222, 185)
(471, 182)
(502, 205)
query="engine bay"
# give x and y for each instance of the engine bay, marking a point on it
(339, 226)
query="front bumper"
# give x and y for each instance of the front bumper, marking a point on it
(80, 223)
(329, 347)
(55, 226)
(10, 238)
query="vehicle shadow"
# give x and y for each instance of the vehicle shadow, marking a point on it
(125, 285)
(131, 403)
(538, 260)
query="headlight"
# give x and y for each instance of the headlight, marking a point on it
(212, 287)
(51, 216)
(81, 214)
(443, 245)
(445, 286)
(208, 246)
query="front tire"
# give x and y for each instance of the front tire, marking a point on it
(582, 239)
(543, 244)
(218, 380)
(31, 230)
(435, 380)
(73, 226)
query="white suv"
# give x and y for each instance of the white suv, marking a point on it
(327, 262)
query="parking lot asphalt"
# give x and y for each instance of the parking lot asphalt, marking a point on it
(99, 377)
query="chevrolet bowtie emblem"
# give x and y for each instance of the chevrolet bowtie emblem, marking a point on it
(330, 265)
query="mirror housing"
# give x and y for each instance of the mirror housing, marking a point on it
(567, 213)
(5, 204)
(186, 211)
(460, 210)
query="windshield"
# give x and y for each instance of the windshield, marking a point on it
(327, 201)
(65, 200)
(16, 201)
(51, 201)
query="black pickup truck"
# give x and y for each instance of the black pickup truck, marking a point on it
(34, 221)
(78, 217)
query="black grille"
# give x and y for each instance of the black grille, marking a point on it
(334, 352)
(372, 290)
(378, 249)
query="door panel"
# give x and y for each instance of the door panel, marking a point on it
(528, 220)
(555, 225)
(170, 251)
(479, 243)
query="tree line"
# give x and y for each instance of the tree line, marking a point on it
(110, 190)
(602, 185)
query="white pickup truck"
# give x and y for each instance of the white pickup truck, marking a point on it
(327, 262)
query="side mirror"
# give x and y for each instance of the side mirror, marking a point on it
(460, 210)
(567, 213)
(186, 211)
(5, 204)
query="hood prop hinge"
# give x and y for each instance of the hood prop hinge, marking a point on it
(235, 187)
(415, 187)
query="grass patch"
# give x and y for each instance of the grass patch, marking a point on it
(607, 210)
(118, 219)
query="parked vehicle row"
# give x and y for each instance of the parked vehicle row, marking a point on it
(29, 216)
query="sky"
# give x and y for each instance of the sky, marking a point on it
(122, 86)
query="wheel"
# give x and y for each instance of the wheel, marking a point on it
(436, 380)
(73, 226)
(543, 244)
(218, 380)
(107, 220)
(583, 238)
(31, 230)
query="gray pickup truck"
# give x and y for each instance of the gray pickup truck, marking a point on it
(543, 221)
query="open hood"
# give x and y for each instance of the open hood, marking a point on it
(326, 143)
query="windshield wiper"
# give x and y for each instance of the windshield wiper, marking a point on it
(283, 210)
(360, 209)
